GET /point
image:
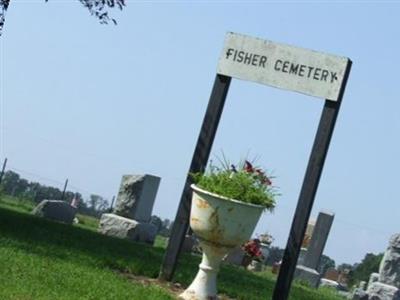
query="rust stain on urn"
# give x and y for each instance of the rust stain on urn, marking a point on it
(202, 203)
(195, 220)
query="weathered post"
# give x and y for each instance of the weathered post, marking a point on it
(65, 188)
(3, 169)
(308, 191)
(199, 162)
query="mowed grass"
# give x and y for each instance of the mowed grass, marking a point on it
(40, 259)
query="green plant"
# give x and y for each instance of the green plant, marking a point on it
(242, 182)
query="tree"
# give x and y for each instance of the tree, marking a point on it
(97, 8)
(10, 182)
(156, 221)
(97, 204)
(325, 263)
(343, 267)
(362, 271)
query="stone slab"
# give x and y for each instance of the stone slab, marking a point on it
(308, 274)
(359, 294)
(381, 291)
(117, 226)
(55, 210)
(374, 277)
(235, 256)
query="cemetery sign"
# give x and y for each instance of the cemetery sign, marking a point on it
(283, 66)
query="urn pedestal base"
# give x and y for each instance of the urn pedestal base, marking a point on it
(204, 286)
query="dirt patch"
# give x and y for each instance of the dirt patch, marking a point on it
(174, 288)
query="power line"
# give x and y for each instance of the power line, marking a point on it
(52, 180)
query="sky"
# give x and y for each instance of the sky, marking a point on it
(91, 102)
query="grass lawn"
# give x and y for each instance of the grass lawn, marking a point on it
(40, 259)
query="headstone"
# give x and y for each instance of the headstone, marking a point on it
(362, 285)
(307, 270)
(386, 284)
(117, 226)
(390, 265)
(265, 249)
(381, 291)
(55, 210)
(359, 294)
(136, 197)
(329, 283)
(308, 274)
(308, 234)
(302, 255)
(374, 277)
(235, 256)
(318, 240)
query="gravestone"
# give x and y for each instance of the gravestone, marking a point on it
(386, 284)
(131, 218)
(381, 291)
(55, 210)
(302, 255)
(359, 294)
(265, 250)
(136, 197)
(235, 256)
(121, 227)
(374, 277)
(308, 270)
(389, 269)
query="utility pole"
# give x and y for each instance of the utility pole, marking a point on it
(65, 187)
(3, 169)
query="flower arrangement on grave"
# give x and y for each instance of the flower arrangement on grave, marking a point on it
(243, 182)
(226, 206)
(252, 251)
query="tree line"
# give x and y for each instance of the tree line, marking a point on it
(355, 272)
(14, 185)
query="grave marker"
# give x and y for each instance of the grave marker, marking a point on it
(307, 269)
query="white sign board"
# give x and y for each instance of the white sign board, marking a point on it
(283, 66)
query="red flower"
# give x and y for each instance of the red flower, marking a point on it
(248, 167)
(252, 248)
(264, 179)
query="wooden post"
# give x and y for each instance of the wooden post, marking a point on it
(307, 193)
(198, 164)
(65, 188)
(112, 204)
(3, 169)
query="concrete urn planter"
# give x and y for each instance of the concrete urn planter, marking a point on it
(220, 224)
